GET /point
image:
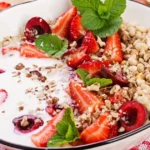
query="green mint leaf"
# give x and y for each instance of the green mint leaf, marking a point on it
(102, 81)
(115, 7)
(62, 128)
(83, 74)
(109, 29)
(86, 5)
(51, 44)
(91, 20)
(56, 140)
(66, 130)
(103, 12)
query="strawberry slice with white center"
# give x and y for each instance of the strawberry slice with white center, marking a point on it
(4, 5)
(113, 49)
(90, 41)
(3, 96)
(76, 29)
(41, 138)
(62, 25)
(84, 98)
(9, 49)
(93, 67)
(78, 57)
(30, 51)
(98, 131)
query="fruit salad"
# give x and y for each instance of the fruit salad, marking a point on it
(79, 79)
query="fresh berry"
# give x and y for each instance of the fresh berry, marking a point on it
(142, 2)
(113, 130)
(78, 57)
(34, 27)
(30, 51)
(9, 49)
(93, 67)
(4, 5)
(113, 49)
(50, 110)
(98, 131)
(3, 96)
(76, 29)
(84, 98)
(2, 71)
(133, 115)
(117, 77)
(27, 123)
(62, 25)
(41, 138)
(117, 97)
(90, 41)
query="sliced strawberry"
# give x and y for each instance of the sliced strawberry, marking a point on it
(113, 49)
(4, 5)
(90, 41)
(142, 2)
(133, 115)
(2, 71)
(93, 67)
(78, 57)
(3, 96)
(113, 130)
(84, 98)
(9, 49)
(41, 138)
(30, 51)
(76, 29)
(62, 26)
(98, 131)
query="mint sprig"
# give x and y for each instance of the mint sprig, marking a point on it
(87, 80)
(66, 130)
(103, 18)
(51, 44)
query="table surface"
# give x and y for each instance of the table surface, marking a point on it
(145, 145)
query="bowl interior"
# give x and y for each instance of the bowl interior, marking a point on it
(13, 20)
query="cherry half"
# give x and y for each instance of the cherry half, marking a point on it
(117, 77)
(34, 27)
(27, 123)
(132, 115)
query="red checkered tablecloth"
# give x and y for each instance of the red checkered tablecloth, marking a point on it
(145, 145)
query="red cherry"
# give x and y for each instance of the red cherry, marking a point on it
(133, 115)
(117, 78)
(36, 26)
(50, 110)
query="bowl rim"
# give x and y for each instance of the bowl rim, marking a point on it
(87, 146)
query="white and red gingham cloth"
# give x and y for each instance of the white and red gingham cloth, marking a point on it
(145, 145)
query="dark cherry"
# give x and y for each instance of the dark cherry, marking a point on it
(27, 123)
(132, 115)
(117, 77)
(36, 26)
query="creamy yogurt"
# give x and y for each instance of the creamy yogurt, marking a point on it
(16, 86)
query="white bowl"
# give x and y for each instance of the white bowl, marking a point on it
(12, 22)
